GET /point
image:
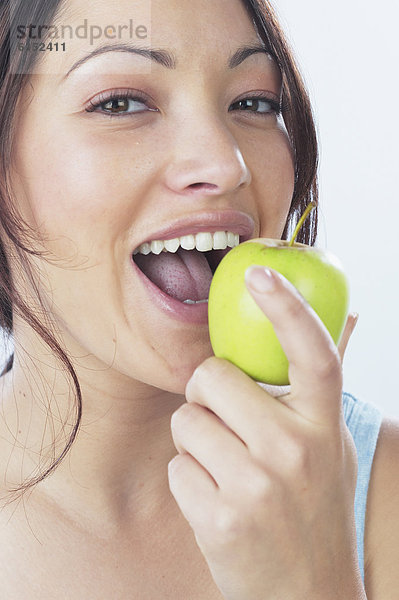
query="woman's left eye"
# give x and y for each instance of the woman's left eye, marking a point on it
(259, 105)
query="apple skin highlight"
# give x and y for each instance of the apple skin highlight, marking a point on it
(240, 331)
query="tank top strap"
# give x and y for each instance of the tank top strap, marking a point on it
(363, 420)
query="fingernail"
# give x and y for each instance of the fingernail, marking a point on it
(355, 318)
(260, 279)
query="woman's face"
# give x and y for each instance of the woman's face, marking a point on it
(96, 187)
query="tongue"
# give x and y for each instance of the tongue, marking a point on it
(183, 275)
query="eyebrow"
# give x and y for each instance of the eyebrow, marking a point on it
(164, 57)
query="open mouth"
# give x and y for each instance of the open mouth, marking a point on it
(183, 267)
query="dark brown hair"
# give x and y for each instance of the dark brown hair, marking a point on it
(15, 66)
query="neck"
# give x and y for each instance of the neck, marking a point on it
(117, 464)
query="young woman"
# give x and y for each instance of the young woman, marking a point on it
(133, 463)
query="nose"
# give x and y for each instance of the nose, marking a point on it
(205, 159)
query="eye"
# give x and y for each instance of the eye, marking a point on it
(259, 105)
(120, 103)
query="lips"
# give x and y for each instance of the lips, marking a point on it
(227, 220)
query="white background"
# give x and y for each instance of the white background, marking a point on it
(348, 54)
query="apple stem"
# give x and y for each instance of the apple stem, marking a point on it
(301, 221)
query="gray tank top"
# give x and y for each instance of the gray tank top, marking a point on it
(363, 420)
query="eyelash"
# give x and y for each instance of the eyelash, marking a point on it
(276, 107)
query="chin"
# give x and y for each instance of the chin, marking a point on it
(181, 373)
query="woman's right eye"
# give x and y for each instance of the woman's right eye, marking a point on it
(118, 104)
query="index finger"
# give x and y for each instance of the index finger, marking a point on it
(315, 370)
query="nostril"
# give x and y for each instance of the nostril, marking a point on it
(203, 185)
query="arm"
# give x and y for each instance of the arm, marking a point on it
(381, 571)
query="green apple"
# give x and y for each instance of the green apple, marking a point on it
(240, 331)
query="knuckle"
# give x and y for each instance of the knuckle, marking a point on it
(258, 485)
(227, 524)
(330, 366)
(177, 464)
(299, 460)
(185, 414)
(210, 367)
(295, 307)
(210, 372)
(296, 456)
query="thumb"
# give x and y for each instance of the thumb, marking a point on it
(349, 327)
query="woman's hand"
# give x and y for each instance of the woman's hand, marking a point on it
(268, 484)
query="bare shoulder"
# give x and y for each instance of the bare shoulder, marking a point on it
(382, 517)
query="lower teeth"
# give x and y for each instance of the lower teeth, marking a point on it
(195, 301)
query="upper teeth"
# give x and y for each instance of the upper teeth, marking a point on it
(202, 241)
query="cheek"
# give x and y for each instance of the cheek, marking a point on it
(273, 177)
(281, 174)
(73, 186)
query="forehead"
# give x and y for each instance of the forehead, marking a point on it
(221, 17)
(195, 28)
(200, 36)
